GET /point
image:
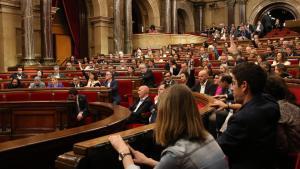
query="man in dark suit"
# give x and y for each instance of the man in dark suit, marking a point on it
(19, 74)
(147, 76)
(111, 83)
(77, 83)
(141, 108)
(250, 138)
(81, 111)
(205, 85)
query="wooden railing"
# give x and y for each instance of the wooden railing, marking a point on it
(40, 151)
(97, 153)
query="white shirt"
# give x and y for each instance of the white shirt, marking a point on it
(202, 87)
(140, 103)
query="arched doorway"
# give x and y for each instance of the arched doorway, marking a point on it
(181, 17)
(144, 14)
(281, 11)
(139, 17)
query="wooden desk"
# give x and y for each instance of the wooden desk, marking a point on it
(39, 152)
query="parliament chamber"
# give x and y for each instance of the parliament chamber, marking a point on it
(73, 73)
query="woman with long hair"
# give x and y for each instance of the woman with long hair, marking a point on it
(179, 127)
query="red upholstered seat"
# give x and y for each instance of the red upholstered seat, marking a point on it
(135, 125)
(91, 96)
(158, 76)
(36, 96)
(294, 61)
(60, 95)
(200, 105)
(296, 91)
(17, 96)
(293, 72)
(125, 90)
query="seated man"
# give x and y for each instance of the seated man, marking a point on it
(19, 75)
(111, 83)
(37, 83)
(205, 86)
(141, 107)
(81, 112)
(168, 79)
(76, 82)
(147, 76)
(70, 67)
(56, 73)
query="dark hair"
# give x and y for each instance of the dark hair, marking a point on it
(277, 87)
(226, 78)
(18, 82)
(73, 91)
(281, 67)
(152, 27)
(253, 74)
(268, 66)
(95, 75)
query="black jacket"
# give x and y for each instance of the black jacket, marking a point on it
(210, 88)
(249, 140)
(148, 79)
(143, 112)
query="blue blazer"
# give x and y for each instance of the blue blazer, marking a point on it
(114, 86)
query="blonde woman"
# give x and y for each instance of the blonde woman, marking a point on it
(179, 128)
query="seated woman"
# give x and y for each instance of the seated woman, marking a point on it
(281, 59)
(179, 128)
(54, 83)
(91, 77)
(288, 131)
(14, 84)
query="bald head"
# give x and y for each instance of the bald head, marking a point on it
(203, 76)
(143, 91)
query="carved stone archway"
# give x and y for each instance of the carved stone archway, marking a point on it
(188, 19)
(259, 9)
(150, 12)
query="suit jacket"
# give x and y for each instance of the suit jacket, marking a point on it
(81, 84)
(140, 116)
(148, 78)
(210, 88)
(83, 105)
(15, 76)
(114, 86)
(250, 137)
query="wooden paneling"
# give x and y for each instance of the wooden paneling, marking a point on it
(63, 48)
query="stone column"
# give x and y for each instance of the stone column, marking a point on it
(128, 26)
(168, 16)
(28, 34)
(117, 26)
(199, 17)
(174, 17)
(231, 13)
(243, 11)
(46, 32)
